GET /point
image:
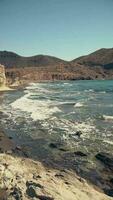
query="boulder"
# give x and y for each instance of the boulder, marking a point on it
(106, 159)
(79, 153)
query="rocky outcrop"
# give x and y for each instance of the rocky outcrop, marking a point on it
(2, 76)
(25, 179)
(106, 159)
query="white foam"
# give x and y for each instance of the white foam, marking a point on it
(108, 117)
(90, 90)
(78, 105)
(71, 127)
(38, 109)
(108, 142)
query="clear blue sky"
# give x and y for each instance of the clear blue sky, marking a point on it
(62, 28)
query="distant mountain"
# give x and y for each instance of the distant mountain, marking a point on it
(102, 57)
(22, 70)
(10, 59)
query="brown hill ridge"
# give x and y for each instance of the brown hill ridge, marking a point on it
(97, 65)
(10, 59)
(102, 57)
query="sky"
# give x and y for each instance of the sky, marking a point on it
(63, 28)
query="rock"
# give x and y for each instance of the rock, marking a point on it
(2, 76)
(30, 191)
(31, 183)
(16, 194)
(59, 175)
(78, 133)
(18, 148)
(109, 192)
(36, 176)
(106, 159)
(62, 149)
(10, 138)
(1, 150)
(18, 177)
(9, 152)
(79, 153)
(5, 165)
(67, 183)
(53, 145)
(111, 180)
(43, 197)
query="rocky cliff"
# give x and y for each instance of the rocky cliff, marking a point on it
(2, 76)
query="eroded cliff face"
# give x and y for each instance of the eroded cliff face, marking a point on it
(21, 76)
(2, 76)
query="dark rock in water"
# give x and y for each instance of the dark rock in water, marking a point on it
(57, 146)
(109, 192)
(10, 138)
(106, 159)
(31, 188)
(53, 145)
(30, 191)
(16, 193)
(111, 180)
(18, 148)
(62, 149)
(43, 197)
(31, 183)
(1, 150)
(79, 153)
(78, 133)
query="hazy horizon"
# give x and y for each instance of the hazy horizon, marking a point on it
(60, 28)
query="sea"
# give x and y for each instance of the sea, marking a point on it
(53, 121)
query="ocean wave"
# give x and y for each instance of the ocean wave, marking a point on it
(107, 117)
(89, 90)
(38, 110)
(71, 127)
(78, 105)
(108, 142)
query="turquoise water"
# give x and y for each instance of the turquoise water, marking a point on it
(53, 112)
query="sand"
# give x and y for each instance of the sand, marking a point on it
(5, 88)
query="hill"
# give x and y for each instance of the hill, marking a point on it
(22, 70)
(102, 57)
(10, 59)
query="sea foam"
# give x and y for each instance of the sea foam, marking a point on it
(38, 109)
(78, 105)
(108, 117)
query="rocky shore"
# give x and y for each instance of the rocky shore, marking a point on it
(22, 178)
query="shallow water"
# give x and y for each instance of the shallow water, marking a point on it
(53, 112)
